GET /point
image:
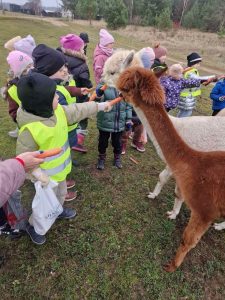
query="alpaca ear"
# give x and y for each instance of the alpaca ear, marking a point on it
(128, 60)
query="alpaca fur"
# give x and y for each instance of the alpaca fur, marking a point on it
(200, 176)
(196, 131)
(116, 64)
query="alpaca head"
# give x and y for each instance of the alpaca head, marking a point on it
(138, 84)
(118, 62)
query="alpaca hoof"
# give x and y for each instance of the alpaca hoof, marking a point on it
(219, 226)
(152, 195)
(170, 267)
(171, 215)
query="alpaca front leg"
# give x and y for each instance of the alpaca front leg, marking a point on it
(191, 236)
(177, 205)
(219, 226)
(163, 178)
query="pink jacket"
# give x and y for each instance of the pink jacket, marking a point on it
(12, 176)
(100, 58)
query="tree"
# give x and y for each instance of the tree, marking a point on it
(115, 14)
(70, 5)
(163, 21)
(87, 9)
(36, 6)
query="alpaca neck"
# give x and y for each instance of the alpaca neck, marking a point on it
(172, 146)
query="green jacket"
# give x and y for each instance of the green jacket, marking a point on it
(115, 120)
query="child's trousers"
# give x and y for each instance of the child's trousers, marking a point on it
(103, 141)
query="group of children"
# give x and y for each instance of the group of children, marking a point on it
(48, 92)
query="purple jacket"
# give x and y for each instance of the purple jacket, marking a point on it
(173, 87)
(99, 59)
(12, 176)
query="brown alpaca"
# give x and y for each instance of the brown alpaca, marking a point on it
(200, 176)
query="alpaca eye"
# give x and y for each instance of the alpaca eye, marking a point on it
(112, 73)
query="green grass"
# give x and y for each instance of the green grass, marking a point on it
(116, 247)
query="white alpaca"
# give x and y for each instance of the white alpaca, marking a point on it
(201, 133)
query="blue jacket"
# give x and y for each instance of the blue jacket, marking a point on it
(216, 93)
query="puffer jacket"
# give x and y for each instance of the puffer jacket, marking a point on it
(217, 92)
(99, 60)
(12, 176)
(115, 120)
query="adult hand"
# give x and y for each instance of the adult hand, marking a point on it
(30, 160)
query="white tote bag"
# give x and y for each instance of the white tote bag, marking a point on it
(45, 207)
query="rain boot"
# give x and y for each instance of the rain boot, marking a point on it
(101, 161)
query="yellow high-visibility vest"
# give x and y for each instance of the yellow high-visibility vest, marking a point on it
(13, 94)
(58, 166)
(195, 91)
(69, 100)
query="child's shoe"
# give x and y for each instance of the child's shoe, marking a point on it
(124, 148)
(101, 162)
(68, 213)
(35, 237)
(79, 148)
(117, 161)
(70, 196)
(138, 146)
(70, 183)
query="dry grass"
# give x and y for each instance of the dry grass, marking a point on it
(181, 42)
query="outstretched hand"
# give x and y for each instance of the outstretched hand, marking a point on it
(30, 160)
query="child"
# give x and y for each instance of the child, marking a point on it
(85, 38)
(73, 48)
(174, 84)
(189, 95)
(218, 96)
(44, 125)
(160, 53)
(159, 69)
(111, 124)
(51, 62)
(102, 52)
(19, 65)
(25, 45)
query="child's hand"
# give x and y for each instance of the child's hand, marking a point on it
(84, 91)
(99, 92)
(222, 98)
(104, 106)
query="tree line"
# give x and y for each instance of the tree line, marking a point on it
(207, 15)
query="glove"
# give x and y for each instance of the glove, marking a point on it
(99, 92)
(104, 106)
(128, 125)
(222, 98)
(41, 176)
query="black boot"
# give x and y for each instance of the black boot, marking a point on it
(117, 161)
(101, 161)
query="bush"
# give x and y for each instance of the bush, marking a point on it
(116, 14)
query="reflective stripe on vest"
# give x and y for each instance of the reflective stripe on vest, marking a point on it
(195, 91)
(13, 94)
(69, 100)
(58, 166)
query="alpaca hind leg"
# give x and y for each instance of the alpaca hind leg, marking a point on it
(177, 205)
(219, 226)
(163, 178)
(191, 236)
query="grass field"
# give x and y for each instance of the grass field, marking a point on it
(116, 247)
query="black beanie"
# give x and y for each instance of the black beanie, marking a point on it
(84, 37)
(36, 92)
(47, 61)
(193, 58)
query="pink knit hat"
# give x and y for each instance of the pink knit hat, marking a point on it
(105, 37)
(18, 62)
(159, 51)
(72, 42)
